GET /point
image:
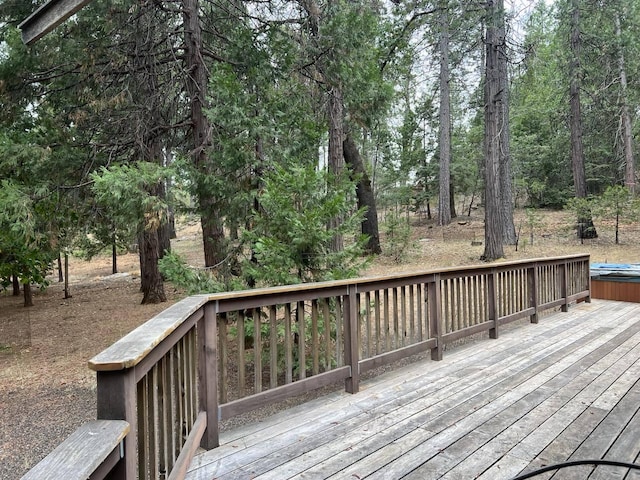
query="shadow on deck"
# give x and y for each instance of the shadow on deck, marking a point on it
(565, 389)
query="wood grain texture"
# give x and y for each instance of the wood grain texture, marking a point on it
(134, 347)
(82, 452)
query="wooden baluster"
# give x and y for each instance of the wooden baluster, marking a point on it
(223, 339)
(288, 349)
(273, 347)
(315, 345)
(302, 340)
(369, 326)
(396, 320)
(352, 383)
(340, 347)
(257, 350)
(326, 314)
(420, 314)
(240, 353)
(376, 299)
(435, 318)
(403, 313)
(387, 326)
(492, 302)
(564, 293)
(412, 314)
(533, 292)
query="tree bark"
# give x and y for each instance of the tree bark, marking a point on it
(452, 200)
(149, 149)
(586, 228)
(444, 196)
(506, 192)
(151, 280)
(28, 294)
(114, 255)
(67, 291)
(336, 153)
(493, 229)
(197, 86)
(627, 127)
(60, 275)
(365, 195)
(16, 285)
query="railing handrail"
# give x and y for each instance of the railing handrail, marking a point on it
(130, 350)
(168, 378)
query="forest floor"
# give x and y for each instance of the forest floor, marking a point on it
(47, 390)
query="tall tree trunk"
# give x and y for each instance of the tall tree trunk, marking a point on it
(151, 280)
(506, 191)
(586, 228)
(364, 192)
(114, 254)
(336, 153)
(452, 200)
(196, 85)
(60, 274)
(67, 291)
(493, 229)
(164, 230)
(444, 197)
(150, 150)
(627, 128)
(28, 294)
(16, 285)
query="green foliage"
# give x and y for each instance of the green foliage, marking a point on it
(281, 339)
(534, 220)
(25, 251)
(129, 194)
(616, 203)
(193, 280)
(398, 237)
(540, 137)
(290, 240)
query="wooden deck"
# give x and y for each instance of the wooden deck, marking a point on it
(566, 388)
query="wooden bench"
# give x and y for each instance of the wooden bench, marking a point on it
(91, 452)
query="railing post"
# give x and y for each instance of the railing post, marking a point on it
(435, 316)
(116, 400)
(563, 287)
(352, 384)
(532, 279)
(208, 375)
(492, 303)
(586, 268)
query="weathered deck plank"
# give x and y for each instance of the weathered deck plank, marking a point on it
(540, 394)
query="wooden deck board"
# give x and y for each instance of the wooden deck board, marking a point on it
(539, 394)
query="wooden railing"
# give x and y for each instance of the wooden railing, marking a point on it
(211, 357)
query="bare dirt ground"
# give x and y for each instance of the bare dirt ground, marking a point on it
(47, 391)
